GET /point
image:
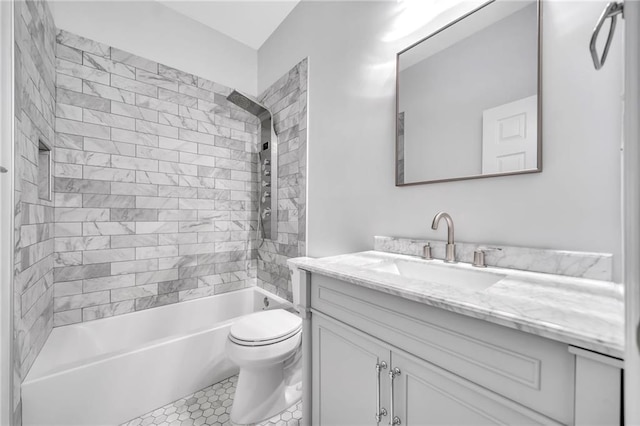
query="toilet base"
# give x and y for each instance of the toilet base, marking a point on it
(261, 393)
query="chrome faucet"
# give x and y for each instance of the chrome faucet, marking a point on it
(451, 246)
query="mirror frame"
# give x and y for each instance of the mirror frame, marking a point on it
(538, 168)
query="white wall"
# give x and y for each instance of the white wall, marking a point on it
(153, 31)
(573, 204)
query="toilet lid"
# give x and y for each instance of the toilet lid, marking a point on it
(265, 328)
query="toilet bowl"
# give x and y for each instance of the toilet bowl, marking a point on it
(266, 346)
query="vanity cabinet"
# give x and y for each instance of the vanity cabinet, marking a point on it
(449, 368)
(349, 382)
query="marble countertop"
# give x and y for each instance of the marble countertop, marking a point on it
(582, 312)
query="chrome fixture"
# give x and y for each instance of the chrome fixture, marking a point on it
(393, 420)
(252, 107)
(451, 247)
(426, 252)
(612, 11)
(380, 412)
(478, 256)
(268, 163)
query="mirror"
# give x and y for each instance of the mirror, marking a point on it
(468, 98)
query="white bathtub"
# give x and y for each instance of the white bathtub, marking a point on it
(108, 371)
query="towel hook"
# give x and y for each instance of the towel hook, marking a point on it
(612, 11)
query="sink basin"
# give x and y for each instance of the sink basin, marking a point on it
(441, 274)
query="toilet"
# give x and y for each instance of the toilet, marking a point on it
(266, 346)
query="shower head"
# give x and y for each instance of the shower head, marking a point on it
(248, 105)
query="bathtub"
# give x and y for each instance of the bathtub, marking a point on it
(111, 370)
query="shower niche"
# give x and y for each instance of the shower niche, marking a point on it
(268, 166)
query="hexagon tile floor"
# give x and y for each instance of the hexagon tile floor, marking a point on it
(209, 407)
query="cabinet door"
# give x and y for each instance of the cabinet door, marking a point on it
(344, 377)
(598, 388)
(427, 395)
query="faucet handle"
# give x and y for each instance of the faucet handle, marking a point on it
(478, 255)
(426, 252)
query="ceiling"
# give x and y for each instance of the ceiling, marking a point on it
(250, 22)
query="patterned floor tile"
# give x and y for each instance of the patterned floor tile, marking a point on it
(209, 407)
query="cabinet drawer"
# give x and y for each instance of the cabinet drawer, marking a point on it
(533, 371)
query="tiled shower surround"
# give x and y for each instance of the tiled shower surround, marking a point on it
(287, 101)
(34, 113)
(155, 185)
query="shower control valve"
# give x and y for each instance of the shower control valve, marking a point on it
(266, 195)
(267, 172)
(266, 162)
(266, 183)
(266, 212)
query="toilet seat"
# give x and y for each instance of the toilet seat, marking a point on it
(265, 328)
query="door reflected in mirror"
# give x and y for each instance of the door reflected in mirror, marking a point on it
(468, 97)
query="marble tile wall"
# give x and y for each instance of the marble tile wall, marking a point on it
(287, 101)
(155, 185)
(34, 113)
